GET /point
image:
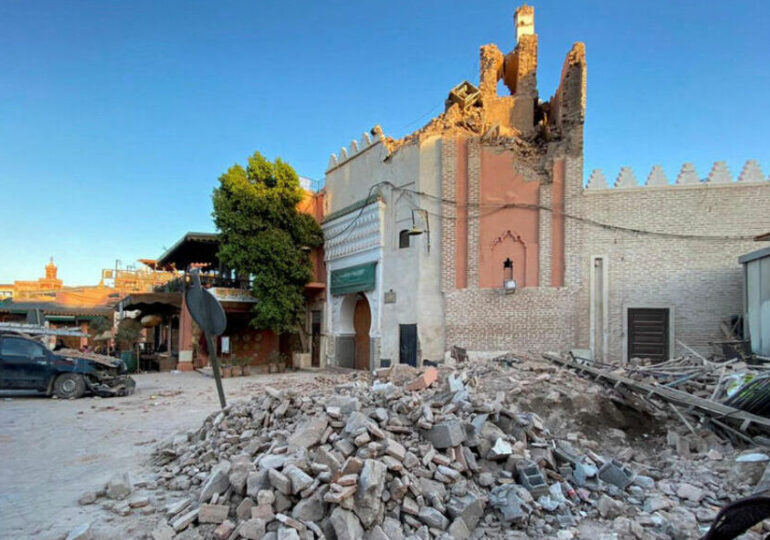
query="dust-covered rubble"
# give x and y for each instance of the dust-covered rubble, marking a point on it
(485, 449)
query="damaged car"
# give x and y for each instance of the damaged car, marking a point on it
(26, 364)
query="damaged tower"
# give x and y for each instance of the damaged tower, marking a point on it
(422, 232)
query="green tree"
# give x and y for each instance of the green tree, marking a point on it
(128, 332)
(98, 326)
(263, 235)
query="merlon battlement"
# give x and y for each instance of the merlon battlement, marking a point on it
(720, 174)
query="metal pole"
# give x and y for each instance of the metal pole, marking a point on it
(215, 368)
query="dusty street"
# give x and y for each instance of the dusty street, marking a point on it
(53, 451)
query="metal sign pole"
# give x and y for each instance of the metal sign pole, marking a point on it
(215, 368)
(207, 313)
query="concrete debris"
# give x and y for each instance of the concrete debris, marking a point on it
(514, 447)
(82, 532)
(213, 513)
(119, 486)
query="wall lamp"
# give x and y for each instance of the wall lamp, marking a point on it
(509, 284)
(416, 231)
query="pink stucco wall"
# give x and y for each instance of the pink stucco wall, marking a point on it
(506, 232)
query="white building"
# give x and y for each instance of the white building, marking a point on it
(382, 252)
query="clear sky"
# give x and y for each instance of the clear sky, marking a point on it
(117, 117)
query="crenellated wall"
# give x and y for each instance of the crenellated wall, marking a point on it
(685, 258)
(688, 176)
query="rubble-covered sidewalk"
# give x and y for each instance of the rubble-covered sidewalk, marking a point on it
(507, 448)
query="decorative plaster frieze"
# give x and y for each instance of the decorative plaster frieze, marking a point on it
(352, 233)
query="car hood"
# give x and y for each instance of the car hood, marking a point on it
(72, 354)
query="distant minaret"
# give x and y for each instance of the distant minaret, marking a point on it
(51, 270)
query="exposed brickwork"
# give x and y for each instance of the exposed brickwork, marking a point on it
(474, 187)
(544, 232)
(700, 279)
(536, 319)
(448, 224)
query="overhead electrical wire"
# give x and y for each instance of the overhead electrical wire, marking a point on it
(494, 208)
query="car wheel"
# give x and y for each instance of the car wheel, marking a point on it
(69, 386)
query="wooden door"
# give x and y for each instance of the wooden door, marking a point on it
(362, 320)
(407, 344)
(648, 333)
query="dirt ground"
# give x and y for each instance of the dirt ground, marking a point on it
(53, 451)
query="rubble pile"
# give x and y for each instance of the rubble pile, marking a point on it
(438, 453)
(715, 380)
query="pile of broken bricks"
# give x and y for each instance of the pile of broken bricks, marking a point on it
(438, 453)
(410, 455)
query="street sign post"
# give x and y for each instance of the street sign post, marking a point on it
(207, 313)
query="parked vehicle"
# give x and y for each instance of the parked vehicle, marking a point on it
(27, 364)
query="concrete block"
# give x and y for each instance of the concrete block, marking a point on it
(615, 473)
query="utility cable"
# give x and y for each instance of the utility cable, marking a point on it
(529, 206)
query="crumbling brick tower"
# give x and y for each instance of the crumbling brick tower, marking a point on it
(513, 180)
(493, 174)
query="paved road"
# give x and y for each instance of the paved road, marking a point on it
(53, 451)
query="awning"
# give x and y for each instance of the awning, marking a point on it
(353, 279)
(191, 249)
(152, 302)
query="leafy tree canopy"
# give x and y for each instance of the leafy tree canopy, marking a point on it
(98, 325)
(128, 331)
(262, 234)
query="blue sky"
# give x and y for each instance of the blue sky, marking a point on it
(117, 117)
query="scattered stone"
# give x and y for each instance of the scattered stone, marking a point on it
(501, 450)
(446, 435)
(279, 481)
(433, 518)
(309, 432)
(690, 492)
(346, 525)
(162, 531)
(213, 513)
(253, 529)
(299, 479)
(217, 482)
(81, 532)
(184, 520)
(608, 507)
(224, 530)
(243, 511)
(428, 377)
(89, 497)
(119, 487)
(368, 497)
(468, 507)
(139, 501)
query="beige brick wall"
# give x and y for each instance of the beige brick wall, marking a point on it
(700, 279)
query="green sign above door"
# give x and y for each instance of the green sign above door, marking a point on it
(353, 279)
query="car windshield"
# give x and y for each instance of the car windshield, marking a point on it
(21, 347)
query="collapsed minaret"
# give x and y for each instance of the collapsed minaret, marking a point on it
(521, 112)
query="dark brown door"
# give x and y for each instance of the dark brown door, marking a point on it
(315, 338)
(362, 320)
(648, 334)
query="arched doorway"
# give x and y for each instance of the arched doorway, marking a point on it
(362, 322)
